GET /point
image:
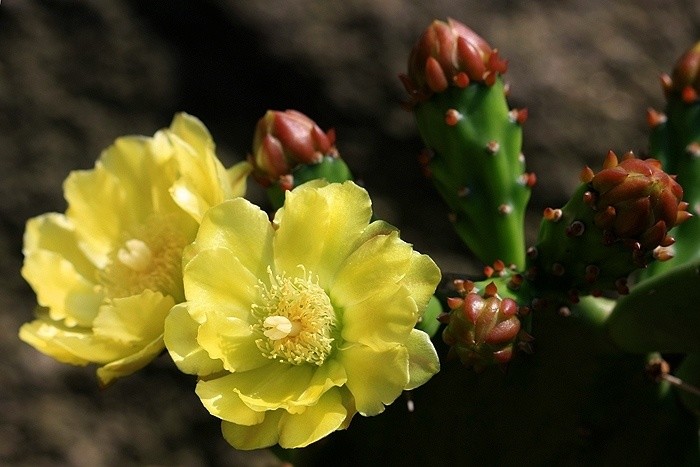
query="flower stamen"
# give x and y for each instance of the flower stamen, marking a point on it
(297, 319)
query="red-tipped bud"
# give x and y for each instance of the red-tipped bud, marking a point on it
(483, 329)
(636, 201)
(450, 54)
(685, 78)
(284, 140)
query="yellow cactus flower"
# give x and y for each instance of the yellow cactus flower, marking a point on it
(107, 272)
(295, 325)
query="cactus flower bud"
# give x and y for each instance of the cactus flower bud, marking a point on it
(482, 329)
(637, 201)
(284, 140)
(449, 53)
(617, 221)
(685, 78)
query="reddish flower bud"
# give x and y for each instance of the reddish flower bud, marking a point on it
(685, 78)
(284, 140)
(636, 201)
(482, 329)
(450, 54)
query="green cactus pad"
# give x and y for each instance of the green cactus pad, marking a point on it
(660, 314)
(478, 168)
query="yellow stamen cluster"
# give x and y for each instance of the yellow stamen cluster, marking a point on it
(297, 319)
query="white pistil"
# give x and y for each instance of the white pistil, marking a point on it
(135, 255)
(279, 327)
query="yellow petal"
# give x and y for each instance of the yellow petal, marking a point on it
(317, 421)
(375, 378)
(291, 430)
(318, 228)
(279, 385)
(381, 320)
(421, 279)
(200, 172)
(258, 436)
(77, 346)
(97, 206)
(227, 406)
(238, 176)
(56, 233)
(242, 228)
(216, 282)
(374, 268)
(423, 361)
(60, 288)
(145, 168)
(133, 320)
(193, 132)
(131, 363)
(231, 341)
(39, 334)
(181, 341)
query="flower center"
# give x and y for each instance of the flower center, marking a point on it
(150, 258)
(297, 319)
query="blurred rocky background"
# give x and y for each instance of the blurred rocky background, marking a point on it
(74, 75)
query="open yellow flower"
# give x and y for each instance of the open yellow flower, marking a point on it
(107, 272)
(296, 325)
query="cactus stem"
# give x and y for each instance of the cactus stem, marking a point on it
(575, 229)
(454, 302)
(505, 209)
(552, 215)
(531, 252)
(655, 118)
(452, 117)
(492, 147)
